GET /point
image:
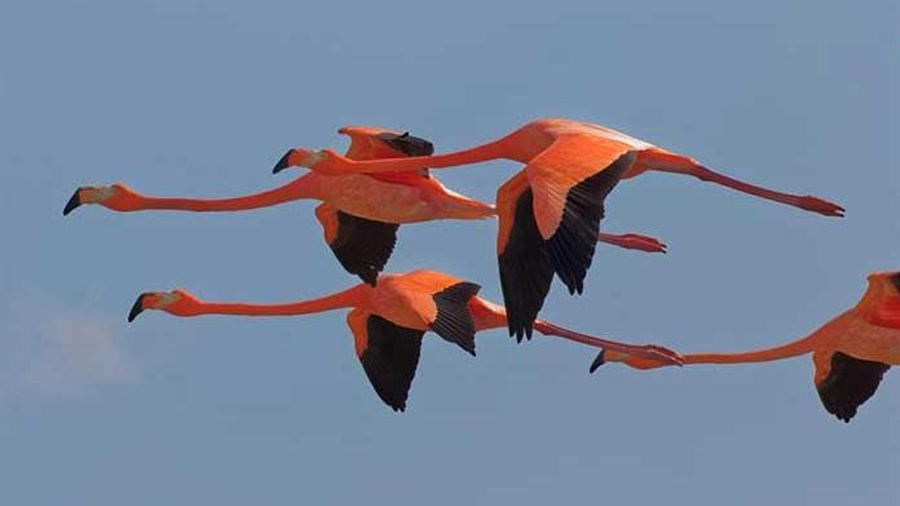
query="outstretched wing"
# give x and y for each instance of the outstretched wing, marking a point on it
(570, 181)
(845, 383)
(453, 320)
(525, 269)
(388, 353)
(362, 246)
(549, 220)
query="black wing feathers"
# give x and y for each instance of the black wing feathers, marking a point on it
(528, 262)
(363, 246)
(849, 384)
(390, 359)
(571, 248)
(409, 145)
(454, 320)
(525, 271)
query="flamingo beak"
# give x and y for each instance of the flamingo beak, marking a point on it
(73, 202)
(283, 163)
(600, 360)
(137, 308)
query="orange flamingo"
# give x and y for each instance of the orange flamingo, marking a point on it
(389, 320)
(550, 211)
(360, 214)
(850, 353)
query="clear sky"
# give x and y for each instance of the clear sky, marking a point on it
(200, 98)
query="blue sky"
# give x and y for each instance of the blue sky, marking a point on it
(200, 98)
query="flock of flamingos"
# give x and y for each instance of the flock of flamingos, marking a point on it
(549, 215)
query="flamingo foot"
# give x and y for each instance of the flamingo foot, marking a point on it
(821, 206)
(634, 241)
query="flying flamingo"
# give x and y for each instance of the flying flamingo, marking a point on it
(389, 320)
(550, 211)
(850, 353)
(360, 214)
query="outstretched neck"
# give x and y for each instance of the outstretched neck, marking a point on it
(348, 298)
(491, 151)
(305, 187)
(792, 349)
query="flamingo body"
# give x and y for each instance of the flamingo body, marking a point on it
(552, 207)
(388, 321)
(360, 213)
(851, 353)
(403, 200)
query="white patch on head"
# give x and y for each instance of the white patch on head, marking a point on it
(96, 194)
(167, 299)
(313, 158)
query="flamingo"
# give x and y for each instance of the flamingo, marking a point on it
(551, 210)
(389, 319)
(851, 353)
(359, 214)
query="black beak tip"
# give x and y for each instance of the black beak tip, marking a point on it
(73, 202)
(282, 162)
(137, 308)
(600, 360)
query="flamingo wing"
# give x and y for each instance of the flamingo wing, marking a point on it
(432, 299)
(525, 269)
(453, 321)
(550, 220)
(388, 353)
(409, 145)
(366, 144)
(362, 246)
(845, 383)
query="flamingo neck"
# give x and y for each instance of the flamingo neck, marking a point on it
(491, 151)
(352, 297)
(305, 187)
(795, 348)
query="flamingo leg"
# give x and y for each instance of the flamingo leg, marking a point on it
(633, 241)
(647, 351)
(805, 202)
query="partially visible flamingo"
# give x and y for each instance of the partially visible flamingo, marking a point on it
(550, 212)
(389, 320)
(850, 353)
(360, 214)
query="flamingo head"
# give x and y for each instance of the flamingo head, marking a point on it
(628, 359)
(176, 302)
(302, 157)
(116, 196)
